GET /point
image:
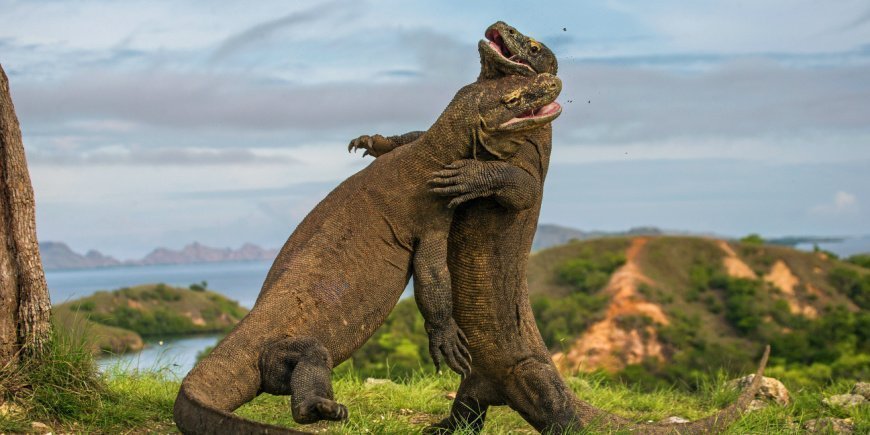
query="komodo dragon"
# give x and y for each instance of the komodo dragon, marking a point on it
(487, 255)
(347, 263)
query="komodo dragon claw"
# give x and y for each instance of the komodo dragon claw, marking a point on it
(374, 146)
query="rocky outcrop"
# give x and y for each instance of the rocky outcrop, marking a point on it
(844, 400)
(830, 425)
(771, 391)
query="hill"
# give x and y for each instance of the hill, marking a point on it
(117, 320)
(666, 306)
(57, 255)
(665, 309)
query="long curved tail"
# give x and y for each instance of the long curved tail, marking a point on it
(192, 416)
(224, 380)
(587, 414)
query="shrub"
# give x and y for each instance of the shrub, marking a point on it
(589, 274)
(752, 239)
(199, 287)
(862, 260)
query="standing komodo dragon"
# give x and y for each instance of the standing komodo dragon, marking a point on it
(487, 255)
(347, 263)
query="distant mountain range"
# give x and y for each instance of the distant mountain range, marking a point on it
(57, 255)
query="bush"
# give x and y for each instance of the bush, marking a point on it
(566, 318)
(862, 260)
(752, 239)
(199, 287)
(853, 284)
(589, 274)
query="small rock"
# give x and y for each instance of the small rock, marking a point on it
(674, 419)
(829, 424)
(40, 427)
(376, 381)
(771, 389)
(845, 400)
(863, 389)
(450, 395)
(756, 404)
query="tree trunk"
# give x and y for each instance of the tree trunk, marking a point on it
(24, 302)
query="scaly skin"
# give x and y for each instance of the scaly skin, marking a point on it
(489, 243)
(346, 264)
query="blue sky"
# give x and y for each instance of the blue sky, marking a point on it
(162, 122)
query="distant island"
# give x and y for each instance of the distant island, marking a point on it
(117, 321)
(57, 255)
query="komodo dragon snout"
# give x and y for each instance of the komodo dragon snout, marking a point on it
(506, 51)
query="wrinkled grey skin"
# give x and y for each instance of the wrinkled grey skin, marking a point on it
(489, 242)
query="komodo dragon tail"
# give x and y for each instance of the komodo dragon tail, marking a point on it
(713, 424)
(216, 386)
(192, 416)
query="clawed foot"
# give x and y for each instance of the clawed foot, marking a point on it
(443, 427)
(318, 409)
(373, 145)
(448, 343)
(463, 179)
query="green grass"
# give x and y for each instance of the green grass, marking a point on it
(69, 396)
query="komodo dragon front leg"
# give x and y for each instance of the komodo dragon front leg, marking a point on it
(435, 301)
(509, 183)
(377, 145)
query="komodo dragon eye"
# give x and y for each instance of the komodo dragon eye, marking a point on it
(511, 99)
(535, 48)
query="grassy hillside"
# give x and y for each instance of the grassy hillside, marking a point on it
(659, 311)
(118, 319)
(686, 305)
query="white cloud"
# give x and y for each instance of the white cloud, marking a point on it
(842, 203)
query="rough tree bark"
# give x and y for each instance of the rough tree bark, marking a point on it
(24, 302)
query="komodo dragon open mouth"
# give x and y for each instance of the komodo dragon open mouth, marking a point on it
(497, 44)
(533, 117)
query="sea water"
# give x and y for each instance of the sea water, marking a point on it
(239, 281)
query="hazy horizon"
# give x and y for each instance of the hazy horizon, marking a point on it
(159, 123)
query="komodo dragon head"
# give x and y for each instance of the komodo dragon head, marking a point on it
(511, 105)
(506, 51)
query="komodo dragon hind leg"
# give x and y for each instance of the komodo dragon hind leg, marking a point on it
(301, 367)
(475, 396)
(537, 392)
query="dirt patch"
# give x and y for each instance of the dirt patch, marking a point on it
(606, 344)
(195, 318)
(781, 277)
(735, 267)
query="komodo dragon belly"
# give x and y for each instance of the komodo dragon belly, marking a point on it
(487, 258)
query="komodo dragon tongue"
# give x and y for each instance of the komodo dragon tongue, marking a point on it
(587, 414)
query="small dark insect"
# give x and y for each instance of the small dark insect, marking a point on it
(564, 29)
(570, 101)
(589, 102)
